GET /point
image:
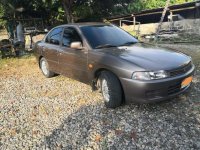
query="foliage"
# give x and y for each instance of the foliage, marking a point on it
(59, 11)
(138, 5)
(2, 22)
(23, 9)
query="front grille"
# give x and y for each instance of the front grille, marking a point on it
(174, 89)
(168, 91)
(181, 70)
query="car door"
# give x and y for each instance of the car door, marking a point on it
(51, 48)
(73, 62)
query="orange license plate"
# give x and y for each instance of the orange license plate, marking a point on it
(186, 82)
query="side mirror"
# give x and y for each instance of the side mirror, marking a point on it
(76, 45)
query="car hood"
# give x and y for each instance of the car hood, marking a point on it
(149, 57)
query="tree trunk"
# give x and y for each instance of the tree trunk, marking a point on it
(67, 5)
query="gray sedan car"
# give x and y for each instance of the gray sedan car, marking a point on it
(115, 63)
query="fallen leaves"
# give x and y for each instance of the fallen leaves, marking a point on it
(133, 135)
(82, 101)
(13, 132)
(98, 138)
(118, 132)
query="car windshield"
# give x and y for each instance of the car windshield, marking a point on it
(100, 36)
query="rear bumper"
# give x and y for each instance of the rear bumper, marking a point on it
(155, 90)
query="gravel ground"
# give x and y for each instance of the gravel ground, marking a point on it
(60, 113)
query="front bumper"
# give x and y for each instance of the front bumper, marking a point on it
(154, 90)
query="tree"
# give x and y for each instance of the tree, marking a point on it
(58, 11)
(68, 5)
(138, 5)
(2, 22)
(49, 10)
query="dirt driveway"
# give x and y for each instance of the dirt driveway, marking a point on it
(60, 113)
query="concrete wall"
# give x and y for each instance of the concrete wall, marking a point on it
(191, 25)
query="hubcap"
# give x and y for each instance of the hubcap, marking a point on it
(44, 67)
(105, 90)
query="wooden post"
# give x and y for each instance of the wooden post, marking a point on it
(171, 14)
(171, 21)
(120, 23)
(162, 19)
(197, 14)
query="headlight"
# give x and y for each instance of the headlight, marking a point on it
(149, 75)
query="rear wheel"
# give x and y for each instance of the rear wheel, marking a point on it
(45, 68)
(111, 89)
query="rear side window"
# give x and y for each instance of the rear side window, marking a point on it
(70, 35)
(54, 36)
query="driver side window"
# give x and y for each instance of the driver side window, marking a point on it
(70, 35)
(55, 36)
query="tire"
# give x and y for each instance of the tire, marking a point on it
(111, 89)
(44, 66)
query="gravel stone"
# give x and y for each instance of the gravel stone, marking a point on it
(60, 113)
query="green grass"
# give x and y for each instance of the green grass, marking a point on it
(14, 61)
(133, 33)
(6, 61)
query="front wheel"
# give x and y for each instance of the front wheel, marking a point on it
(45, 68)
(111, 89)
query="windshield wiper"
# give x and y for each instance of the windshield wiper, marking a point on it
(128, 43)
(105, 46)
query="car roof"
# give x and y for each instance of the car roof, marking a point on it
(85, 24)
